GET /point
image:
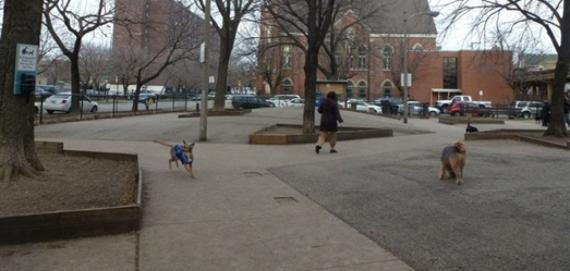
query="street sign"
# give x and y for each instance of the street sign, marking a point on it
(212, 79)
(406, 81)
(25, 72)
(203, 52)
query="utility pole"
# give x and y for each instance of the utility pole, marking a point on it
(205, 70)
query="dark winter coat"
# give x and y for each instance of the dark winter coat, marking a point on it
(330, 116)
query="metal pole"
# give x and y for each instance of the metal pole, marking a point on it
(205, 83)
(405, 79)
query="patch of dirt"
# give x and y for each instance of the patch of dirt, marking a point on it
(71, 183)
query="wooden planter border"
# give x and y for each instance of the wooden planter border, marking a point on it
(514, 135)
(67, 224)
(464, 120)
(217, 113)
(265, 137)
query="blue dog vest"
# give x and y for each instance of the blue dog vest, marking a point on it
(181, 155)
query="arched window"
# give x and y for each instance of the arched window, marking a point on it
(362, 58)
(287, 57)
(362, 89)
(349, 89)
(387, 89)
(388, 54)
(418, 47)
(287, 86)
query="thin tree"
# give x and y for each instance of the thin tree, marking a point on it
(231, 13)
(21, 24)
(311, 19)
(526, 18)
(59, 13)
(142, 65)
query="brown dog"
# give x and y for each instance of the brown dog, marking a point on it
(180, 152)
(453, 160)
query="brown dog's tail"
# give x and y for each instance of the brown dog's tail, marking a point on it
(162, 143)
(460, 146)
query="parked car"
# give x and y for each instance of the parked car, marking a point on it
(297, 102)
(62, 103)
(249, 102)
(363, 106)
(462, 108)
(526, 109)
(444, 104)
(147, 96)
(417, 108)
(390, 105)
(282, 100)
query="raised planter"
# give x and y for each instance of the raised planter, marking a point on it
(61, 118)
(464, 120)
(522, 135)
(64, 224)
(217, 113)
(285, 134)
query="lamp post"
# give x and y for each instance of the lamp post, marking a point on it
(205, 78)
(404, 78)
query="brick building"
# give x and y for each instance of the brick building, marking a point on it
(149, 25)
(369, 56)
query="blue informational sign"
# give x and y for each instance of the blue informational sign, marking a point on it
(25, 72)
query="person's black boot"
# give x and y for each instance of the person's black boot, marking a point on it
(318, 149)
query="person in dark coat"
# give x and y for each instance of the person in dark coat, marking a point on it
(546, 114)
(330, 117)
(567, 110)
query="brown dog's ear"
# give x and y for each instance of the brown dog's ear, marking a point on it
(184, 141)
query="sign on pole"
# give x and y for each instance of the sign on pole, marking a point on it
(406, 79)
(212, 79)
(203, 52)
(25, 72)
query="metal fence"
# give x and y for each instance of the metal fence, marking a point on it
(110, 106)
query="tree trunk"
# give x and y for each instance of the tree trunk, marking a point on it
(221, 81)
(557, 125)
(311, 62)
(75, 83)
(21, 24)
(136, 97)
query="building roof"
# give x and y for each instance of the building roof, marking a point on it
(384, 16)
(390, 15)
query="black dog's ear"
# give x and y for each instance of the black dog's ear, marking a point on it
(184, 141)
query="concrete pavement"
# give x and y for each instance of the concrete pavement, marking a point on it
(234, 216)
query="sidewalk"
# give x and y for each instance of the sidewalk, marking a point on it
(235, 216)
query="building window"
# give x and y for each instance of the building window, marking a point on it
(450, 72)
(388, 54)
(418, 48)
(350, 59)
(362, 89)
(287, 55)
(287, 86)
(337, 57)
(387, 89)
(350, 34)
(362, 58)
(349, 89)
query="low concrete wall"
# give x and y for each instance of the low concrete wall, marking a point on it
(464, 120)
(217, 113)
(75, 223)
(515, 135)
(267, 137)
(60, 118)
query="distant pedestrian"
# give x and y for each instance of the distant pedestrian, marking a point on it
(546, 114)
(330, 117)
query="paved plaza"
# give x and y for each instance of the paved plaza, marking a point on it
(376, 205)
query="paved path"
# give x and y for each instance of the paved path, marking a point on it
(239, 214)
(235, 216)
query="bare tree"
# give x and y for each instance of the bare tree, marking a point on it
(60, 13)
(94, 64)
(231, 14)
(525, 18)
(47, 52)
(22, 22)
(142, 65)
(311, 20)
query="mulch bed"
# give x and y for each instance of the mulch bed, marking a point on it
(71, 183)
(531, 136)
